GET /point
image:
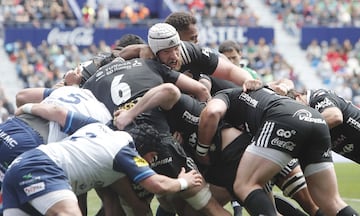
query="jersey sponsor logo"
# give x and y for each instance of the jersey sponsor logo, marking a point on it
(288, 145)
(140, 162)
(8, 140)
(117, 67)
(29, 179)
(34, 188)
(285, 133)
(305, 115)
(136, 63)
(324, 103)
(162, 162)
(327, 154)
(338, 140)
(248, 99)
(190, 118)
(347, 149)
(353, 123)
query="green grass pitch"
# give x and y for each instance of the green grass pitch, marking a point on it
(348, 175)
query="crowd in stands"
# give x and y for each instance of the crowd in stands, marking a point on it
(37, 13)
(338, 65)
(46, 64)
(220, 12)
(331, 13)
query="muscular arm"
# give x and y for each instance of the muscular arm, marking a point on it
(160, 184)
(136, 51)
(228, 71)
(209, 120)
(165, 95)
(29, 95)
(45, 111)
(333, 116)
(193, 87)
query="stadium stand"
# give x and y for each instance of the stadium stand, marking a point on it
(43, 65)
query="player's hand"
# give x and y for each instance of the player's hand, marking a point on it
(280, 89)
(193, 177)
(122, 119)
(252, 85)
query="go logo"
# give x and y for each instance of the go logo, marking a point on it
(285, 133)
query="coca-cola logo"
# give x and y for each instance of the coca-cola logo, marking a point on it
(78, 36)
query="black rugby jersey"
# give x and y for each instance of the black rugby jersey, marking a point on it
(197, 59)
(251, 107)
(347, 133)
(120, 82)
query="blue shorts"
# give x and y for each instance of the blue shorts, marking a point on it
(32, 174)
(16, 137)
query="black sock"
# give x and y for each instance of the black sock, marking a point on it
(347, 211)
(237, 208)
(259, 203)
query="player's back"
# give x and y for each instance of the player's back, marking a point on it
(77, 100)
(87, 156)
(117, 83)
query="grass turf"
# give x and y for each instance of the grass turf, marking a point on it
(348, 175)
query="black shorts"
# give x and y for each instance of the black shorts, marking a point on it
(297, 130)
(223, 172)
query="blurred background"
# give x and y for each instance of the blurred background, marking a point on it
(315, 43)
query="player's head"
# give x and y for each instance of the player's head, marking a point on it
(146, 137)
(128, 39)
(299, 96)
(231, 50)
(185, 25)
(164, 42)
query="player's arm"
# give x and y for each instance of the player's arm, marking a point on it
(193, 87)
(69, 121)
(228, 71)
(160, 184)
(31, 95)
(128, 161)
(208, 123)
(165, 95)
(136, 51)
(333, 116)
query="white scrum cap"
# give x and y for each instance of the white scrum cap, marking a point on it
(162, 36)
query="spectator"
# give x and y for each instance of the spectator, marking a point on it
(88, 15)
(143, 12)
(102, 17)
